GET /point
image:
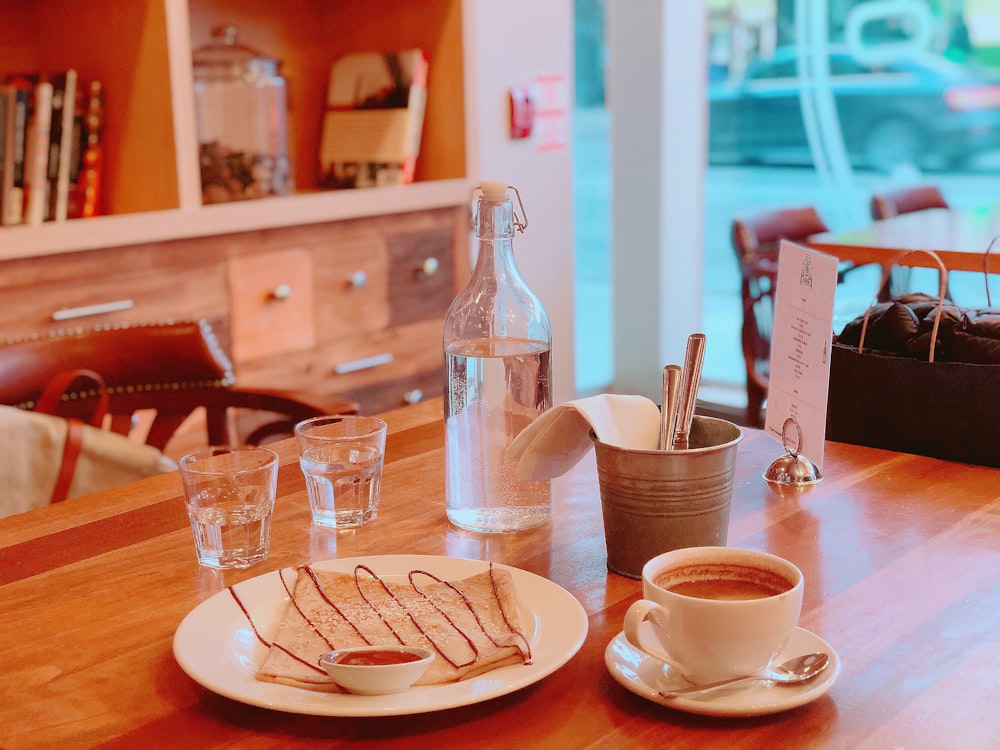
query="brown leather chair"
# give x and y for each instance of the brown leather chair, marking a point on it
(156, 375)
(756, 238)
(903, 201)
(906, 200)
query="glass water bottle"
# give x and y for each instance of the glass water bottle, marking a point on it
(497, 345)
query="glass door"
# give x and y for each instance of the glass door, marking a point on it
(808, 102)
(824, 103)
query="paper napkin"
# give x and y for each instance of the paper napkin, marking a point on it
(556, 441)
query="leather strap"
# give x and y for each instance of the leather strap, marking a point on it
(48, 402)
(71, 452)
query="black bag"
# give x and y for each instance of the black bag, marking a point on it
(909, 402)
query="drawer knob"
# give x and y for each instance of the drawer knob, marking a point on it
(357, 280)
(281, 292)
(428, 268)
(413, 397)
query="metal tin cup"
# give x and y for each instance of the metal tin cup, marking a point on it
(657, 501)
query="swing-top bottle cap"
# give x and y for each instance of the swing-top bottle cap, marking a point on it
(495, 191)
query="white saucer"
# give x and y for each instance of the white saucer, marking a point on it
(646, 676)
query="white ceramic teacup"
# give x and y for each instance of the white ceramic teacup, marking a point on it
(715, 612)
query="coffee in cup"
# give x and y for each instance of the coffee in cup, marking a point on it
(713, 613)
(723, 582)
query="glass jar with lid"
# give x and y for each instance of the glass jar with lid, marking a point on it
(240, 108)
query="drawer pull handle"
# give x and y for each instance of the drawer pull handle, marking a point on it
(366, 363)
(428, 268)
(357, 280)
(68, 313)
(281, 292)
(413, 397)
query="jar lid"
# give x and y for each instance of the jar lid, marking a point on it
(224, 57)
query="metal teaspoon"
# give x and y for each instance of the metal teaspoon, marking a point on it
(691, 376)
(668, 406)
(793, 671)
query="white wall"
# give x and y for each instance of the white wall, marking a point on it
(658, 127)
(515, 41)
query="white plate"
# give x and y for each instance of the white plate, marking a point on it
(215, 645)
(646, 676)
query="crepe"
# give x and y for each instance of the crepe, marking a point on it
(473, 625)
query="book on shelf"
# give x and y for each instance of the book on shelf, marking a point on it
(19, 93)
(88, 161)
(61, 143)
(7, 104)
(50, 147)
(374, 119)
(36, 157)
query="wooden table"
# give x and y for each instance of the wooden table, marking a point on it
(901, 556)
(959, 236)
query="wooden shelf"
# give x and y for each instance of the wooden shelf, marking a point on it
(125, 47)
(130, 229)
(141, 51)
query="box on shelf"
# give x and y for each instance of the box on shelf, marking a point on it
(374, 118)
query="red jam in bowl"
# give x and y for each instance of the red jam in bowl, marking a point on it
(375, 658)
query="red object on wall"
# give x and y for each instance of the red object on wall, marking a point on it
(522, 112)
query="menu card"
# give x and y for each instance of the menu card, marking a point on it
(800, 346)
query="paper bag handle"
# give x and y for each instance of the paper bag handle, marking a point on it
(986, 269)
(942, 291)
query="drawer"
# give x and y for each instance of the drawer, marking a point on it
(272, 303)
(352, 362)
(421, 275)
(352, 287)
(393, 394)
(166, 294)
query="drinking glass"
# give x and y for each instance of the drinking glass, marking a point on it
(229, 493)
(341, 457)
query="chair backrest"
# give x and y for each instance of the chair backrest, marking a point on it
(165, 371)
(905, 200)
(147, 357)
(756, 236)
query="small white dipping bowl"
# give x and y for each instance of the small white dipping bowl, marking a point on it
(360, 670)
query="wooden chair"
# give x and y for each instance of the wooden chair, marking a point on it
(756, 238)
(906, 200)
(903, 201)
(156, 376)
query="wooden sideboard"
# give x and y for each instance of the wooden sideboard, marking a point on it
(351, 308)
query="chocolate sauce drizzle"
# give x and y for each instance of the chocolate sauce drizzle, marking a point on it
(319, 587)
(526, 655)
(358, 570)
(357, 582)
(253, 627)
(437, 647)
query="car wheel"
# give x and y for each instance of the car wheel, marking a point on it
(893, 143)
